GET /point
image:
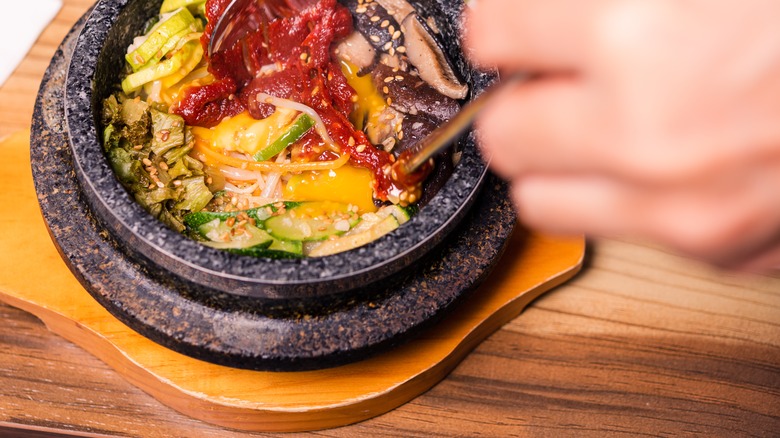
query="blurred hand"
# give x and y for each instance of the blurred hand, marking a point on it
(653, 119)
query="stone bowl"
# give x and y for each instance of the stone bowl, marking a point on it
(92, 75)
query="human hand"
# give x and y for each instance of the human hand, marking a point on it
(654, 119)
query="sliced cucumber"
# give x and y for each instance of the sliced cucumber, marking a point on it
(193, 221)
(298, 129)
(251, 241)
(289, 246)
(354, 240)
(312, 221)
(151, 49)
(402, 214)
(172, 5)
(221, 236)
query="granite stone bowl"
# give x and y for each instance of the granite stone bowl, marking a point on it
(93, 74)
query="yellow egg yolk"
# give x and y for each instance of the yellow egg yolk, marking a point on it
(347, 184)
(243, 133)
(370, 103)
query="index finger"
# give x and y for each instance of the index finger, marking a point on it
(528, 35)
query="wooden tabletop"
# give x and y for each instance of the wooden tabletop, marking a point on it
(642, 342)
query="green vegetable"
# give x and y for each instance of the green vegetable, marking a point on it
(172, 5)
(251, 240)
(195, 220)
(168, 131)
(357, 239)
(312, 221)
(148, 151)
(196, 195)
(298, 129)
(151, 49)
(180, 62)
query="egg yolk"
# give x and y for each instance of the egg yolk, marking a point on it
(243, 133)
(370, 104)
(347, 184)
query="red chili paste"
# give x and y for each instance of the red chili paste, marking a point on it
(301, 46)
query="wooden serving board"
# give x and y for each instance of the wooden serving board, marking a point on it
(34, 278)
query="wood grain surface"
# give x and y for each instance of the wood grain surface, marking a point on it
(641, 343)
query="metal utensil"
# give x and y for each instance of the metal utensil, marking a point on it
(242, 17)
(442, 137)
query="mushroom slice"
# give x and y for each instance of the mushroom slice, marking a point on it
(377, 25)
(399, 9)
(357, 50)
(427, 55)
(411, 95)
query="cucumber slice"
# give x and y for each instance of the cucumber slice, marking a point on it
(136, 80)
(351, 241)
(312, 221)
(193, 221)
(217, 230)
(172, 5)
(252, 241)
(289, 246)
(402, 214)
(298, 129)
(151, 48)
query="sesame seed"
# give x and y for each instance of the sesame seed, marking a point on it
(385, 89)
(396, 34)
(360, 148)
(384, 23)
(400, 135)
(147, 162)
(351, 141)
(163, 165)
(391, 30)
(361, 10)
(160, 184)
(389, 101)
(374, 38)
(387, 46)
(388, 79)
(399, 78)
(375, 18)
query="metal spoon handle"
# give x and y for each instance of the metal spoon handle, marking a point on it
(241, 17)
(443, 136)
